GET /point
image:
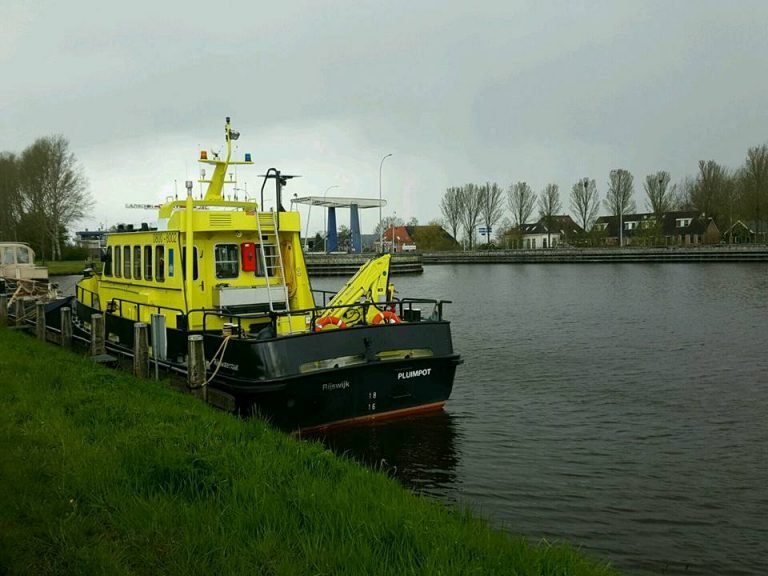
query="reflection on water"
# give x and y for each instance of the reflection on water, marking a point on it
(420, 450)
(618, 407)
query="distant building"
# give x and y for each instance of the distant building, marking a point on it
(432, 238)
(739, 233)
(92, 240)
(546, 233)
(397, 239)
(678, 228)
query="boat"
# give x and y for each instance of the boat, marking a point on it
(20, 278)
(227, 269)
(17, 262)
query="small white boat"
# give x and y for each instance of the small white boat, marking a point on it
(17, 262)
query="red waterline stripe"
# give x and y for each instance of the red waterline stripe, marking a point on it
(371, 417)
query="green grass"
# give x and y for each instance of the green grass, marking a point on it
(101, 473)
(65, 267)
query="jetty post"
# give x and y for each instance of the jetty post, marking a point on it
(3, 309)
(196, 374)
(66, 327)
(159, 341)
(98, 330)
(19, 311)
(40, 320)
(140, 350)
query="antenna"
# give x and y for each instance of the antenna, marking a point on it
(188, 184)
(175, 189)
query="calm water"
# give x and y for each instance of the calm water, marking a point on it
(623, 408)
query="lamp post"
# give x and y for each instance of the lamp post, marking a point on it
(381, 230)
(325, 228)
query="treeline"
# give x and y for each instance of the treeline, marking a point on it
(43, 192)
(724, 194)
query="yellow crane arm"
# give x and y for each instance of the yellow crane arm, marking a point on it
(369, 284)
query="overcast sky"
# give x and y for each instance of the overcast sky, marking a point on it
(457, 92)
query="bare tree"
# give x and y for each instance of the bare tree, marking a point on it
(491, 208)
(755, 185)
(54, 189)
(450, 206)
(10, 196)
(470, 213)
(585, 202)
(659, 195)
(618, 199)
(712, 192)
(521, 200)
(549, 206)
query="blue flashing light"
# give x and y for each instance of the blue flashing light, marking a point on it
(247, 156)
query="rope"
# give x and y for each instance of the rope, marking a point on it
(218, 358)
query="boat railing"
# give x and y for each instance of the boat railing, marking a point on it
(233, 318)
(115, 305)
(326, 294)
(403, 307)
(83, 293)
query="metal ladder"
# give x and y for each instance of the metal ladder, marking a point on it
(272, 258)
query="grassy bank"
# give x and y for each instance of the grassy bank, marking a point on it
(64, 267)
(101, 473)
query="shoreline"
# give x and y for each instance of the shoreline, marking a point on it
(612, 255)
(107, 473)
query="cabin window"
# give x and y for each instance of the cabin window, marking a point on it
(8, 256)
(126, 261)
(148, 263)
(194, 263)
(108, 262)
(170, 263)
(118, 260)
(22, 255)
(137, 262)
(160, 263)
(227, 261)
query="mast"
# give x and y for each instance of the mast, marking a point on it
(218, 178)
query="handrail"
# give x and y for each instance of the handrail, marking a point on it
(139, 305)
(80, 293)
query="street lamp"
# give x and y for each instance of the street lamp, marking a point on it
(325, 228)
(381, 230)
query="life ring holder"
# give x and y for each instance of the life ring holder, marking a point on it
(329, 321)
(386, 317)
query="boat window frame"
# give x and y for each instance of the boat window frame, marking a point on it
(127, 269)
(108, 261)
(160, 263)
(220, 275)
(9, 256)
(118, 267)
(195, 265)
(137, 267)
(147, 262)
(171, 263)
(23, 250)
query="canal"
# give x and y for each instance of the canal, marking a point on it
(620, 407)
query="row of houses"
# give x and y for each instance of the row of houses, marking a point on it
(678, 228)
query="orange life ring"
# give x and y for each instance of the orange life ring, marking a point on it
(386, 317)
(329, 320)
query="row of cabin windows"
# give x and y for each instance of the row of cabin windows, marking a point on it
(127, 262)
